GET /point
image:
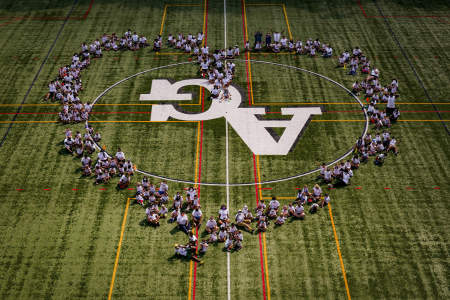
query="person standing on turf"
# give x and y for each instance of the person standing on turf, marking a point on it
(258, 38)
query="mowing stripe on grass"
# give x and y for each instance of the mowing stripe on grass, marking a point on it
(339, 253)
(227, 170)
(263, 234)
(116, 262)
(419, 80)
(257, 182)
(39, 70)
(199, 157)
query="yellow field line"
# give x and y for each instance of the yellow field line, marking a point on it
(287, 21)
(266, 266)
(143, 121)
(163, 20)
(283, 6)
(339, 252)
(116, 262)
(248, 54)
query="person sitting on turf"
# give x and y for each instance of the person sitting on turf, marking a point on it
(280, 220)
(68, 143)
(223, 215)
(190, 195)
(177, 201)
(123, 182)
(355, 162)
(211, 225)
(197, 216)
(313, 209)
(241, 221)
(262, 224)
(213, 237)
(393, 146)
(192, 239)
(163, 211)
(273, 204)
(223, 234)
(325, 200)
(272, 214)
(120, 156)
(203, 247)
(299, 212)
(327, 176)
(183, 222)
(317, 192)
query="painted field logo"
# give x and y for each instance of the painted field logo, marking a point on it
(253, 131)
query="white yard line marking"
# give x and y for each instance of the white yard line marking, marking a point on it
(226, 154)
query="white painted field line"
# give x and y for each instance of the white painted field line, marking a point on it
(226, 154)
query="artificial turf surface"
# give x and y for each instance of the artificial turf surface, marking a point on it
(62, 243)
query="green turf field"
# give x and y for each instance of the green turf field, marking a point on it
(61, 235)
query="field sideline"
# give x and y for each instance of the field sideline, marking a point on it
(384, 236)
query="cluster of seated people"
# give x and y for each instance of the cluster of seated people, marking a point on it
(275, 42)
(106, 166)
(68, 85)
(185, 211)
(213, 65)
(378, 145)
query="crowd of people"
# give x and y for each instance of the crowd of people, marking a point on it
(217, 66)
(106, 166)
(184, 210)
(66, 87)
(275, 42)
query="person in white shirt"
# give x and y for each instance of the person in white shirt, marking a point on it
(197, 217)
(326, 199)
(211, 225)
(346, 178)
(120, 155)
(299, 212)
(183, 222)
(242, 222)
(203, 247)
(223, 215)
(393, 145)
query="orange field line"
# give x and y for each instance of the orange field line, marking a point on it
(116, 262)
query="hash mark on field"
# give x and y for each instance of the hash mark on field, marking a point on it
(75, 189)
(387, 188)
(19, 190)
(358, 188)
(46, 189)
(436, 188)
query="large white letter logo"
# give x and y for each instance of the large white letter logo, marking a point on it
(244, 121)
